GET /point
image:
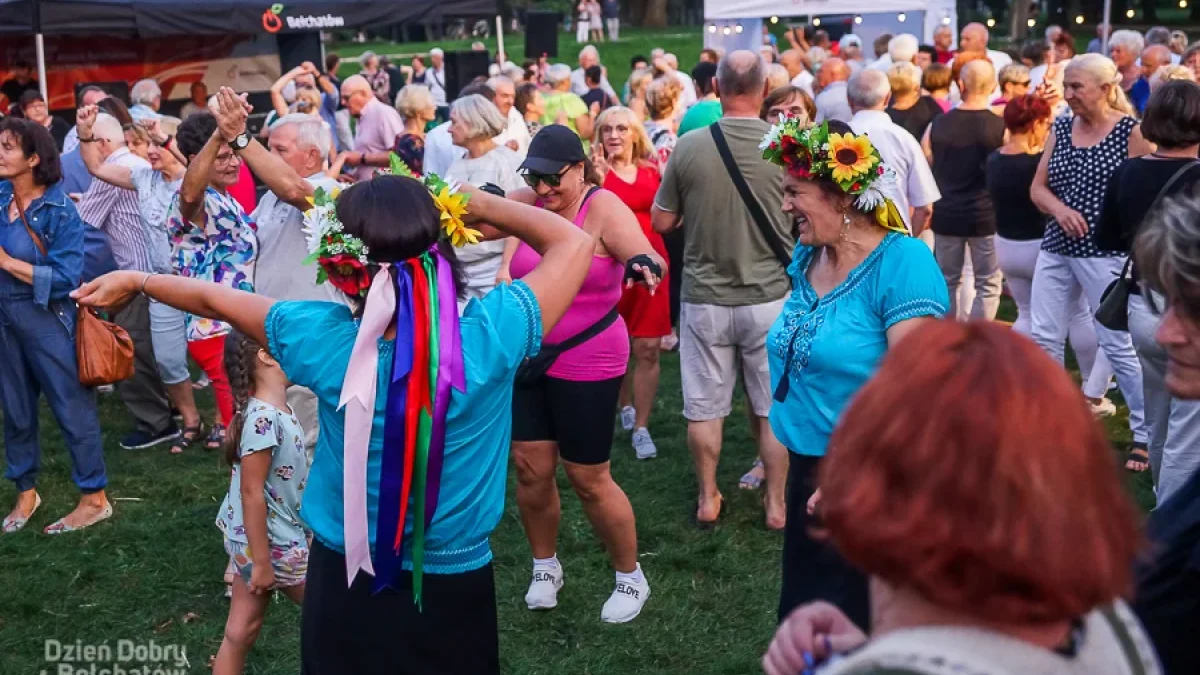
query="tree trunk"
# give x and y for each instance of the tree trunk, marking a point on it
(656, 14)
(1020, 15)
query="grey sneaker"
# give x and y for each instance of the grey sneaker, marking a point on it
(628, 418)
(643, 445)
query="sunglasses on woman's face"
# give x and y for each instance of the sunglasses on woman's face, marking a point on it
(533, 179)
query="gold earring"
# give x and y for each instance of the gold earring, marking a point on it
(845, 226)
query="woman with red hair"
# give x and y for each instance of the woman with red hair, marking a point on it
(992, 547)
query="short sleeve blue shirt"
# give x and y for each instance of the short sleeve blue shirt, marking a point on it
(312, 342)
(832, 345)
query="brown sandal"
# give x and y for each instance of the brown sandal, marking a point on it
(188, 437)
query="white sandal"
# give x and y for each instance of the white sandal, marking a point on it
(15, 524)
(60, 526)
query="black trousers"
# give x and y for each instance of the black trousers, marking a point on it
(813, 569)
(350, 631)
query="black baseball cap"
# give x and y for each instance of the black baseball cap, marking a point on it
(553, 149)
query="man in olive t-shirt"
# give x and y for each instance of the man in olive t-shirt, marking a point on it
(733, 285)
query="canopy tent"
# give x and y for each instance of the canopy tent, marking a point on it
(916, 16)
(167, 18)
(159, 18)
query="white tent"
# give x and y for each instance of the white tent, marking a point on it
(919, 17)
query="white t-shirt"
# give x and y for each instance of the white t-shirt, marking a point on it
(804, 81)
(516, 131)
(901, 152)
(481, 261)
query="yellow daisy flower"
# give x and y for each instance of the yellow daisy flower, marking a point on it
(849, 157)
(453, 207)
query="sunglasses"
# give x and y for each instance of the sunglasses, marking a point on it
(533, 179)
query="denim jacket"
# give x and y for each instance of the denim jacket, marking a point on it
(54, 218)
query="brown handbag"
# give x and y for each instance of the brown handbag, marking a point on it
(104, 350)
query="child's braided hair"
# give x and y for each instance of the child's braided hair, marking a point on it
(241, 358)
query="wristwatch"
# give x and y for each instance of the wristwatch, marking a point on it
(240, 142)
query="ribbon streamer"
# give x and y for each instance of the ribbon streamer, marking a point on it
(358, 402)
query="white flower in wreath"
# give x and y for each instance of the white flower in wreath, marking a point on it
(772, 136)
(877, 192)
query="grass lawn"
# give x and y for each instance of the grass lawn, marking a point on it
(154, 571)
(683, 41)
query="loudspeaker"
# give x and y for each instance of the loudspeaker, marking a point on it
(541, 34)
(462, 67)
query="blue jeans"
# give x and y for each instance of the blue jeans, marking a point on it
(37, 355)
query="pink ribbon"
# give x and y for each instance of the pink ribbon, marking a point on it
(358, 401)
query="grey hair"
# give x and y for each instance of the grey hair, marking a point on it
(903, 47)
(557, 73)
(498, 80)
(1159, 35)
(366, 56)
(109, 128)
(777, 76)
(1130, 40)
(413, 99)
(590, 49)
(1167, 250)
(747, 82)
(311, 131)
(1012, 72)
(144, 92)
(868, 90)
(479, 115)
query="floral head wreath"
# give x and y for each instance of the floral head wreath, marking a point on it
(848, 160)
(416, 298)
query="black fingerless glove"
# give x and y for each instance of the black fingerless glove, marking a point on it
(646, 263)
(493, 189)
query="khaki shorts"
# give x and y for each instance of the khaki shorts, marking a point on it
(712, 339)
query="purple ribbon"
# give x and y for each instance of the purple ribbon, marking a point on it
(451, 373)
(389, 557)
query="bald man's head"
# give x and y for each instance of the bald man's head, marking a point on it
(833, 70)
(978, 78)
(793, 60)
(742, 74)
(974, 38)
(356, 93)
(1153, 58)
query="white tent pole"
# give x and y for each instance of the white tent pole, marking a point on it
(1107, 27)
(500, 38)
(40, 47)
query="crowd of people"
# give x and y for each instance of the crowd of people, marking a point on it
(499, 269)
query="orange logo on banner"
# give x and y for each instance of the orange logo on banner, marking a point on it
(270, 19)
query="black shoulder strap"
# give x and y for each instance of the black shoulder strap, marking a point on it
(743, 188)
(588, 333)
(1125, 640)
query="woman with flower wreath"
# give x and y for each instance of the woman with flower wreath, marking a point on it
(860, 284)
(408, 478)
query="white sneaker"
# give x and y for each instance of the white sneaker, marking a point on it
(643, 445)
(543, 590)
(626, 601)
(1105, 408)
(628, 418)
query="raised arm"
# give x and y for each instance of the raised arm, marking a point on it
(280, 178)
(195, 181)
(277, 100)
(112, 174)
(566, 250)
(247, 312)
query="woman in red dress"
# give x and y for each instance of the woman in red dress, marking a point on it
(623, 157)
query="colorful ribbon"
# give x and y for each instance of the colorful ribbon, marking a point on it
(428, 363)
(358, 401)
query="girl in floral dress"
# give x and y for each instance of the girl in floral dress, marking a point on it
(260, 516)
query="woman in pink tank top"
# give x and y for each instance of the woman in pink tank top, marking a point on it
(568, 412)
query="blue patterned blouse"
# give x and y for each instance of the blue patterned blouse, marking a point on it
(822, 350)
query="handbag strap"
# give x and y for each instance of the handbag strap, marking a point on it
(587, 333)
(743, 188)
(37, 241)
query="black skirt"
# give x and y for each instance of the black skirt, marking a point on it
(813, 569)
(348, 631)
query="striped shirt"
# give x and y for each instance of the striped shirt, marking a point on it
(115, 212)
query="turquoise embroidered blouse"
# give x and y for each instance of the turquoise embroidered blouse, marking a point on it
(827, 348)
